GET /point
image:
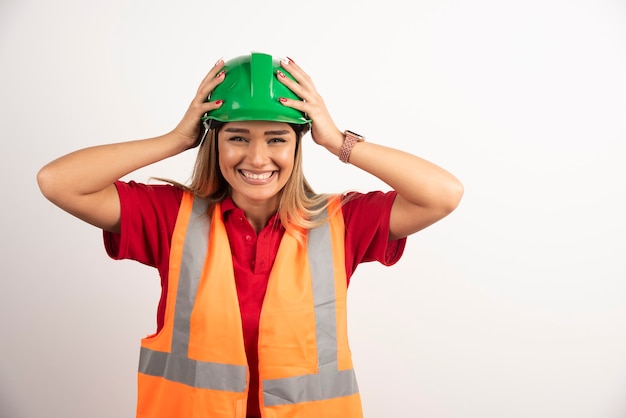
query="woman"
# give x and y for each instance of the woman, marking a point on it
(254, 265)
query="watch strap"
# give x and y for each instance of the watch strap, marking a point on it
(350, 138)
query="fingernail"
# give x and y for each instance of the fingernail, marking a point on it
(219, 102)
(284, 61)
(218, 62)
(281, 74)
(221, 74)
(290, 60)
(282, 100)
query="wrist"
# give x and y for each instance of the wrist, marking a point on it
(331, 140)
(350, 140)
(181, 142)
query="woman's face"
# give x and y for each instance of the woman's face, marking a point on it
(256, 158)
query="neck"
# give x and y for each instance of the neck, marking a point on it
(258, 213)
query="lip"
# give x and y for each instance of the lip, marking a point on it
(257, 178)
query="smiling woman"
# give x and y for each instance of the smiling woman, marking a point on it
(254, 264)
(256, 159)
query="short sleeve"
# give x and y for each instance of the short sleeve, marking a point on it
(366, 216)
(148, 217)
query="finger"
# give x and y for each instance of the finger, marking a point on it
(294, 86)
(197, 109)
(303, 86)
(294, 104)
(209, 82)
(298, 73)
(209, 85)
(209, 106)
(306, 93)
(213, 72)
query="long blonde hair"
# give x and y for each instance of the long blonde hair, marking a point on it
(299, 207)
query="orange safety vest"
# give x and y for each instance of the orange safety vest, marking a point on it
(196, 365)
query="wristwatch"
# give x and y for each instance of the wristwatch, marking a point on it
(349, 140)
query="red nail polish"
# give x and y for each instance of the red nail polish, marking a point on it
(282, 100)
(221, 73)
(281, 74)
(219, 102)
(290, 60)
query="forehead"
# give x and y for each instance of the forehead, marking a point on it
(258, 127)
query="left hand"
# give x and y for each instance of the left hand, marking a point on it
(323, 129)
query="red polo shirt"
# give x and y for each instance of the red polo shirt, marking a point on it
(148, 216)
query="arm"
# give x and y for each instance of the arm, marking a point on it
(426, 192)
(82, 182)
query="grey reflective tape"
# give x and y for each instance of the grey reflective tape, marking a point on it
(192, 262)
(323, 279)
(328, 382)
(194, 373)
(177, 366)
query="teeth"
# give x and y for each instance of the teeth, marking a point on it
(262, 176)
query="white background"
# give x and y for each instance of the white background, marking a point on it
(512, 307)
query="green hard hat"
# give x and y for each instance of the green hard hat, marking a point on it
(251, 91)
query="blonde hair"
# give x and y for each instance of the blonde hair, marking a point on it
(299, 207)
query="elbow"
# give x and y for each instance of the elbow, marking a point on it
(452, 197)
(46, 182)
(459, 190)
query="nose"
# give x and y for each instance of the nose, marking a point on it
(257, 153)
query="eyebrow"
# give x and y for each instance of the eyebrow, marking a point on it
(247, 131)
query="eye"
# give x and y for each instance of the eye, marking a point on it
(236, 139)
(277, 141)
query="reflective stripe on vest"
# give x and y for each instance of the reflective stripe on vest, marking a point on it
(329, 382)
(201, 278)
(175, 365)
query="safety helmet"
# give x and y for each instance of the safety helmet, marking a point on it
(251, 91)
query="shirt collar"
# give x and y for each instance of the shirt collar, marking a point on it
(228, 206)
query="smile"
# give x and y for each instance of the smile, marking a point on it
(257, 178)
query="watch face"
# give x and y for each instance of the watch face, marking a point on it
(360, 137)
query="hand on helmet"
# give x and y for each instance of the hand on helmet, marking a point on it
(188, 129)
(323, 129)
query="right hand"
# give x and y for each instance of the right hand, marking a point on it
(188, 129)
